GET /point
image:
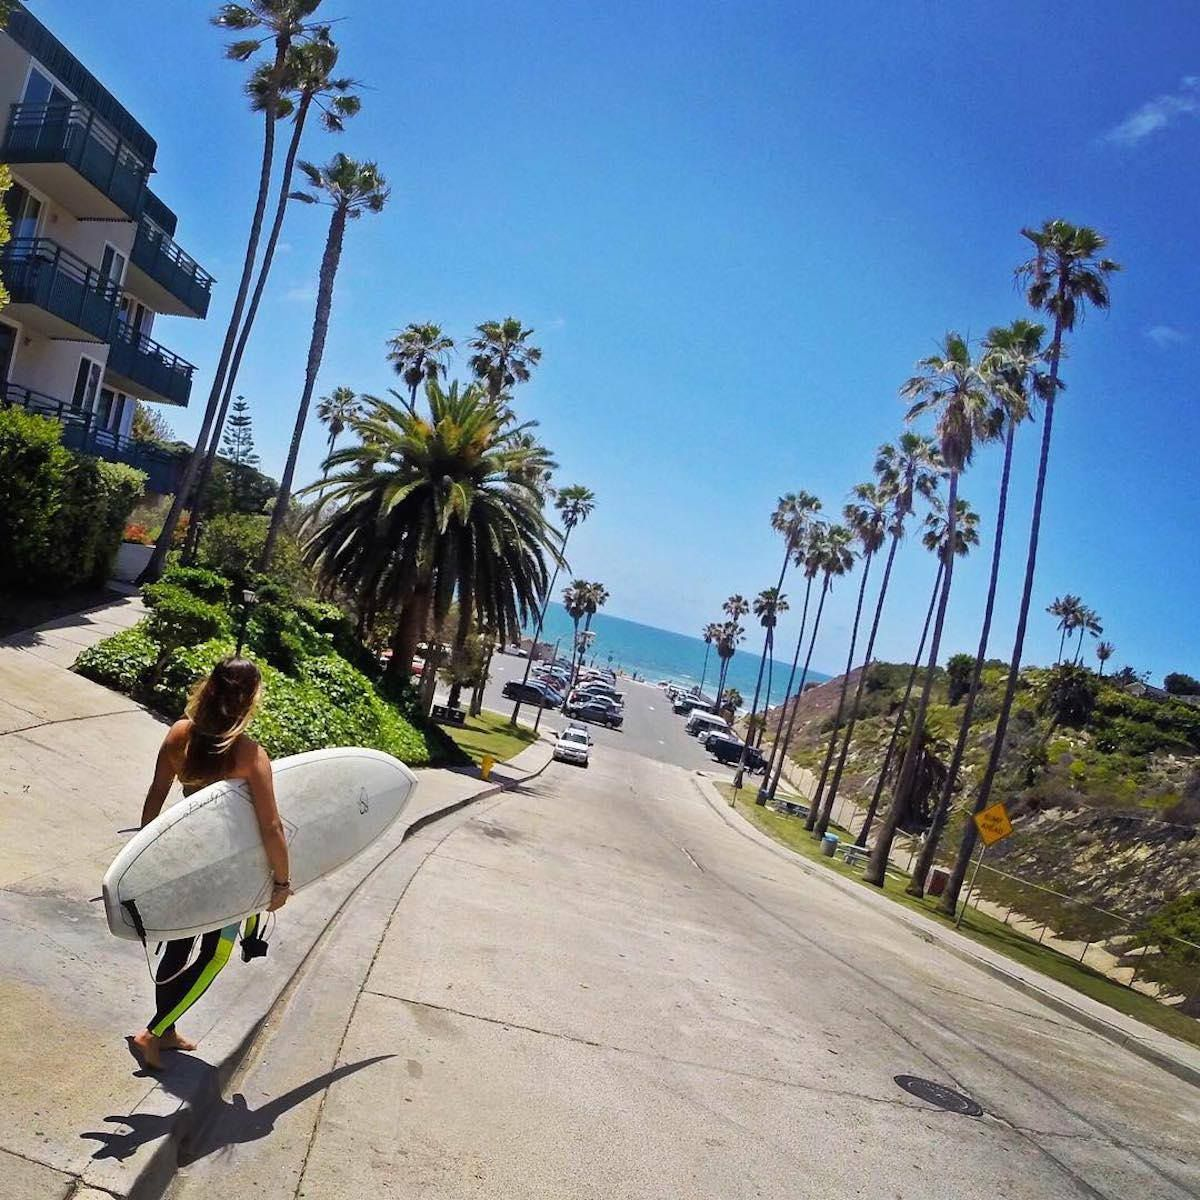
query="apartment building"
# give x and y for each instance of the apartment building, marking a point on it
(92, 262)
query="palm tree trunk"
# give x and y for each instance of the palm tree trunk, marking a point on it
(877, 866)
(1062, 641)
(817, 820)
(766, 708)
(154, 567)
(949, 901)
(537, 632)
(704, 673)
(787, 692)
(409, 630)
(787, 737)
(571, 673)
(916, 886)
(873, 807)
(264, 270)
(852, 718)
(316, 350)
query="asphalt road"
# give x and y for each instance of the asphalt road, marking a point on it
(650, 729)
(597, 988)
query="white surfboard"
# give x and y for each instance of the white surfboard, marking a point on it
(200, 865)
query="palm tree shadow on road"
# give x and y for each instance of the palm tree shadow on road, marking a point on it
(229, 1123)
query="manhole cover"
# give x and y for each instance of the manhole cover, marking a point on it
(936, 1093)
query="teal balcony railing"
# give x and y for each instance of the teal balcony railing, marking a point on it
(72, 133)
(42, 273)
(150, 367)
(164, 262)
(82, 432)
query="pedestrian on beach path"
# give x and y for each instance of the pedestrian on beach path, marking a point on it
(210, 744)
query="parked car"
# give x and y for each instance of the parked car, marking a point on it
(572, 745)
(581, 728)
(587, 709)
(602, 689)
(706, 722)
(729, 750)
(532, 693)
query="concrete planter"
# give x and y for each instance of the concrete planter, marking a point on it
(132, 558)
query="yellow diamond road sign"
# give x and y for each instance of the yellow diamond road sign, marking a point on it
(993, 823)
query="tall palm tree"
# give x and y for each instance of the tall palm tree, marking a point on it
(1104, 651)
(1089, 623)
(936, 540)
(349, 188)
(1011, 365)
(335, 412)
(869, 516)
(1068, 271)
(732, 633)
(419, 352)
(734, 608)
(1068, 609)
(709, 633)
(308, 83)
(281, 24)
(575, 504)
(503, 356)
(905, 471)
(951, 386)
(767, 606)
(830, 555)
(790, 518)
(575, 599)
(430, 509)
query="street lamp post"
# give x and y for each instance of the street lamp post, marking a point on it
(249, 599)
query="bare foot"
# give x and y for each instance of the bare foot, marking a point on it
(145, 1047)
(175, 1041)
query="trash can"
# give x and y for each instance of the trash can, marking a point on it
(829, 845)
(485, 767)
(935, 885)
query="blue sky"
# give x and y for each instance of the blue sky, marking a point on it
(735, 227)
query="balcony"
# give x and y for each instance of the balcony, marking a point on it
(77, 158)
(165, 278)
(81, 432)
(56, 292)
(141, 367)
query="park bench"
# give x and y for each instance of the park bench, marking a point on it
(790, 807)
(448, 716)
(854, 854)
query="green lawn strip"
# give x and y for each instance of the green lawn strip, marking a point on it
(490, 733)
(986, 930)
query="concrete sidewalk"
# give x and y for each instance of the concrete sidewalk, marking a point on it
(1179, 1058)
(75, 759)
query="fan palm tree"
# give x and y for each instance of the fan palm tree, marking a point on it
(575, 504)
(905, 471)
(767, 606)
(502, 355)
(830, 555)
(952, 387)
(308, 83)
(734, 608)
(1104, 651)
(349, 188)
(732, 634)
(1068, 609)
(1011, 364)
(1068, 271)
(935, 539)
(429, 510)
(709, 633)
(335, 412)
(868, 516)
(280, 24)
(419, 352)
(1089, 623)
(575, 599)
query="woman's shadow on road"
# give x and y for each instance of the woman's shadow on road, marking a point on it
(224, 1123)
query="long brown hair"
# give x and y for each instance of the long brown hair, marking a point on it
(220, 708)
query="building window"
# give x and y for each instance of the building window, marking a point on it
(112, 265)
(41, 89)
(87, 383)
(24, 212)
(105, 409)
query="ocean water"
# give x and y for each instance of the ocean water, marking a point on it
(660, 654)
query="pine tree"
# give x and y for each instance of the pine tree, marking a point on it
(237, 445)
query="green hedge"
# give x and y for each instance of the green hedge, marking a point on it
(61, 513)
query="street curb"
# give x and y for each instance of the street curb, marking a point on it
(930, 931)
(154, 1176)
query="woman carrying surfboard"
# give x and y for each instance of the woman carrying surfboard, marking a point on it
(210, 744)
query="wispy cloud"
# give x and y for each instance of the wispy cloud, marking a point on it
(306, 292)
(556, 323)
(1166, 336)
(1157, 114)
